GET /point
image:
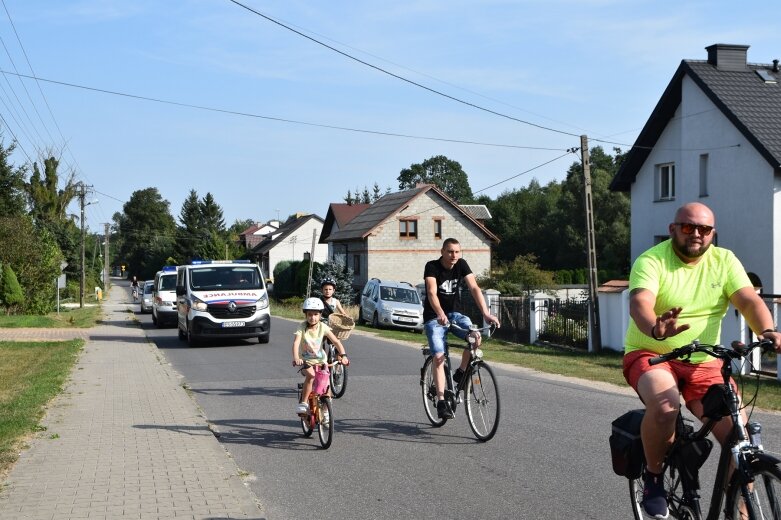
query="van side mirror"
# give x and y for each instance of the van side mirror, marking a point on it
(180, 290)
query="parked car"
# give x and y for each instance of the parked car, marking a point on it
(147, 297)
(387, 303)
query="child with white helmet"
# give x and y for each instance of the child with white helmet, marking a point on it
(308, 347)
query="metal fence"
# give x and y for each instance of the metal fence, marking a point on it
(564, 322)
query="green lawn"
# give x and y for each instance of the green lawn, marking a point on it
(31, 374)
(67, 317)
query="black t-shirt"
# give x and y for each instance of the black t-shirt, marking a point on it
(448, 281)
(327, 310)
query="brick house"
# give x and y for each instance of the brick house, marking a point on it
(395, 236)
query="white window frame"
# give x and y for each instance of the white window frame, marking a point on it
(704, 159)
(665, 181)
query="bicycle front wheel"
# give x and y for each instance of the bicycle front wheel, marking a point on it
(481, 394)
(764, 494)
(306, 423)
(429, 393)
(338, 380)
(325, 431)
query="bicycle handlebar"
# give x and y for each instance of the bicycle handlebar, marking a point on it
(488, 331)
(736, 350)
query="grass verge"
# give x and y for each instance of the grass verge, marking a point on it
(31, 374)
(604, 367)
(75, 317)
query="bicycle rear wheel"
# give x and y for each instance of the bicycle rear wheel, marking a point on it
(429, 393)
(338, 380)
(636, 496)
(764, 495)
(325, 431)
(481, 394)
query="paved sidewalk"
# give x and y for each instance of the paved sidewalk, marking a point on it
(124, 440)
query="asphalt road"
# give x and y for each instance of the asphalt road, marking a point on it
(549, 459)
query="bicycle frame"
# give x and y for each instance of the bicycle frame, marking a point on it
(737, 456)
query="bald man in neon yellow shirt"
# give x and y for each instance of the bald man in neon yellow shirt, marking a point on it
(679, 290)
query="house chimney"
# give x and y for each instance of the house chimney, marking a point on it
(729, 57)
(775, 65)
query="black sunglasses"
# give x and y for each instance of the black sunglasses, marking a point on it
(688, 229)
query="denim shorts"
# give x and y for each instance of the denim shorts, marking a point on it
(435, 333)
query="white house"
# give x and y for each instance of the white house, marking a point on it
(293, 240)
(714, 137)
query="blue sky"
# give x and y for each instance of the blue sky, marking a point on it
(594, 67)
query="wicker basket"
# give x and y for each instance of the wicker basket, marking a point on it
(341, 324)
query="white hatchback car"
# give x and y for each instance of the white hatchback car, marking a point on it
(386, 303)
(147, 297)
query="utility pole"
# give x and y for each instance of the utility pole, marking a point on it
(82, 203)
(591, 250)
(82, 195)
(105, 262)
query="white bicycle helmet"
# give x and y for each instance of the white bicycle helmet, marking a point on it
(312, 304)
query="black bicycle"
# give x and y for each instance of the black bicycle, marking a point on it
(338, 370)
(480, 391)
(753, 489)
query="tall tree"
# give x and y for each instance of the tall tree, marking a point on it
(49, 202)
(611, 216)
(215, 237)
(12, 185)
(189, 229)
(35, 257)
(147, 228)
(445, 173)
(49, 208)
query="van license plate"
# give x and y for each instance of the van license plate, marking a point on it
(232, 324)
(406, 320)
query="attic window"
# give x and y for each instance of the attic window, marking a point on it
(766, 76)
(408, 228)
(665, 182)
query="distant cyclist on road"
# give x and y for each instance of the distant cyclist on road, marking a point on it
(443, 279)
(134, 287)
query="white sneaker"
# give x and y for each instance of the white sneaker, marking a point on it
(302, 409)
(326, 418)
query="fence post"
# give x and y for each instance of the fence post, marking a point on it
(491, 297)
(538, 308)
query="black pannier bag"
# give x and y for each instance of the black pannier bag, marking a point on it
(626, 446)
(715, 402)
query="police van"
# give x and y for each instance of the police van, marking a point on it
(221, 299)
(164, 296)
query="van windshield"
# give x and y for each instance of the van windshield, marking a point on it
(226, 278)
(398, 294)
(167, 282)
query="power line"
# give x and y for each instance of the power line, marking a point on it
(271, 118)
(402, 78)
(571, 150)
(430, 76)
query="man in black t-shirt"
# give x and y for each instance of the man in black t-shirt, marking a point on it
(443, 278)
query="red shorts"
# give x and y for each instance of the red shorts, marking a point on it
(693, 379)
